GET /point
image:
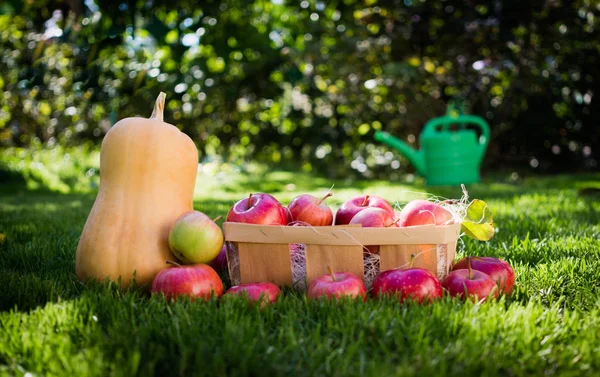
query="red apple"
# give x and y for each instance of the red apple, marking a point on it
(337, 285)
(311, 210)
(500, 271)
(198, 281)
(423, 212)
(265, 293)
(258, 209)
(470, 283)
(353, 206)
(298, 223)
(288, 215)
(220, 261)
(374, 218)
(417, 284)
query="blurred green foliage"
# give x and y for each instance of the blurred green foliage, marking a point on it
(307, 83)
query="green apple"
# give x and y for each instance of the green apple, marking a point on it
(195, 238)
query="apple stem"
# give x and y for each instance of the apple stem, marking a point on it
(325, 197)
(217, 218)
(412, 260)
(469, 267)
(174, 263)
(364, 203)
(331, 273)
(249, 201)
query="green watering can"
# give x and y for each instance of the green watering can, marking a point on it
(446, 157)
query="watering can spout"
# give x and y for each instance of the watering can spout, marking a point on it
(415, 157)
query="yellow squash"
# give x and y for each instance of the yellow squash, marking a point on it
(147, 176)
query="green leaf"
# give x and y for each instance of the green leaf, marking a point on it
(479, 222)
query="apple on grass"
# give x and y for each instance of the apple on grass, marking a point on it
(198, 281)
(469, 283)
(499, 270)
(417, 284)
(374, 218)
(351, 207)
(311, 210)
(258, 209)
(337, 285)
(265, 293)
(424, 212)
(195, 238)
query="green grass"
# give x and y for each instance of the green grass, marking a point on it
(50, 324)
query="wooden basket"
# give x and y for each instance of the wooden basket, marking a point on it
(258, 253)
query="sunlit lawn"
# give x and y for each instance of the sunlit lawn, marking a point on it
(548, 229)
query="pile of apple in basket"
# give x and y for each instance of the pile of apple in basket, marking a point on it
(366, 247)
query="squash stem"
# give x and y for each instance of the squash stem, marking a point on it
(159, 107)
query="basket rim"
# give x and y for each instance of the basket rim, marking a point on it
(340, 235)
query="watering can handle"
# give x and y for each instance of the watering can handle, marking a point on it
(447, 120)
